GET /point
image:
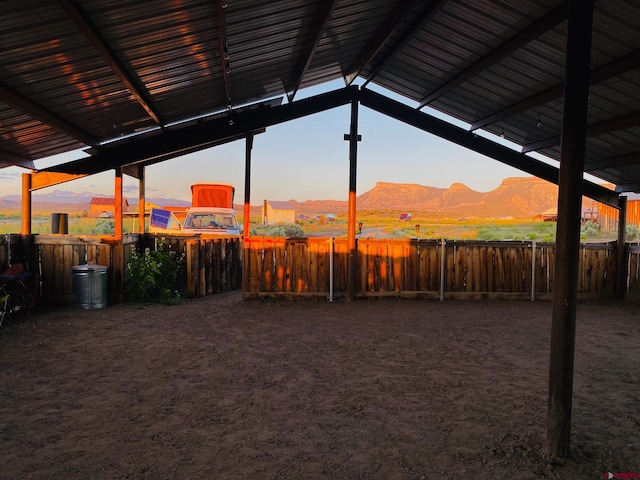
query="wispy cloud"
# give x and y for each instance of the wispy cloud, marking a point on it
(9, 176)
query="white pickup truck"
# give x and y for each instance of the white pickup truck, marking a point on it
(211, 213)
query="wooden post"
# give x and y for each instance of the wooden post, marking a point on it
(572, 152)
(141, 199)
(26, 204)
(621, 259)
(352, 259)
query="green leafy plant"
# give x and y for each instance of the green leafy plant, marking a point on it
(152, 275)
(632, 232)
(104, 227)
(280, 230)
(590, 229)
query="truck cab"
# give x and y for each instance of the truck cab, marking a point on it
(210, 220)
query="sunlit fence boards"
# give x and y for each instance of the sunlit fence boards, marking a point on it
(307, 267)
(422, 268)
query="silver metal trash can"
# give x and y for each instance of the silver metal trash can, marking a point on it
(90, 286)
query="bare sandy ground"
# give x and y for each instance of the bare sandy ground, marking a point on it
(386, 389)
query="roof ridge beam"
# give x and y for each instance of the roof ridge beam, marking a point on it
(133, 84)
(310, 45)
(37, 111)
(432, 9)
(600, 74)
(472, 141)
(172, 142)
(515, 43)
(379, 39)
(593, 130)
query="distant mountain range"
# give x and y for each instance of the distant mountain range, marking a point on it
(519, 197)
(66, 201)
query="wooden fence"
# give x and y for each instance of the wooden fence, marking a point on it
(318, 266)
(212, 264)
(58, 254)
(436, 269)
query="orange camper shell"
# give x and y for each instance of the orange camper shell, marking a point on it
(218, 195)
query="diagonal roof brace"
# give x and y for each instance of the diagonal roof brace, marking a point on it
(544, 24)
(309, 45)
(379, 39)
(432, 9)
(478, 144)
(75, 12)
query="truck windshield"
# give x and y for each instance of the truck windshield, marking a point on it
(211, 221)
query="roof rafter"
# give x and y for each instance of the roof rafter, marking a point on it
(133, 84)
(600, 74)
(37, 111)
(379, 39)
(515, 43)
(628, 187)
(479, 144)
(434, 7)
(309, 45)
(224, 49)
(593, 130)
(613, 162)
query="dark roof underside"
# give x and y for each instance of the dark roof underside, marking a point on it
(98, 73)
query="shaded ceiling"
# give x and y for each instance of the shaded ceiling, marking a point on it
(121, 75)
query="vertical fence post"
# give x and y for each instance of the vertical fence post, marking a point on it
(331, 247)
(533, 271)
(621, 251)
(443, 264)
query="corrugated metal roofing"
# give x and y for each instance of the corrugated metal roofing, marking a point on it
(76, 74)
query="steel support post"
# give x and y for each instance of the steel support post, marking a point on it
(247, 185)
(352, 260)
(565, 291)
(26, 204)
(117, 204)
(141, 199)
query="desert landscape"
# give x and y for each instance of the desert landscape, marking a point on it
(513, 211)
(219, 387)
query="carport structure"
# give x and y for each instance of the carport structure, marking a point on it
(139, 82)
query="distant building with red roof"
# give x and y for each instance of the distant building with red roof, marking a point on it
(105, 207)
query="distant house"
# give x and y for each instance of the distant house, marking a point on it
(274, 211)
(104, 207)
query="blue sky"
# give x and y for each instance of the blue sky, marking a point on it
(306, 159)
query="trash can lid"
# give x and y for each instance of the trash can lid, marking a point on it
(89, 267)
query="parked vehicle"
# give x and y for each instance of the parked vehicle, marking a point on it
(211, 213)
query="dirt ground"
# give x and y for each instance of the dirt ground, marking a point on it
(220, 388)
